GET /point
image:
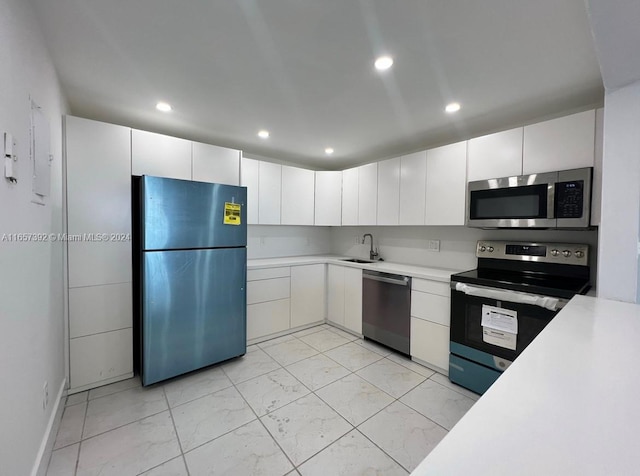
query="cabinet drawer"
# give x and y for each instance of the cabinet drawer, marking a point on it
(433, 287)
(431, 307)
(430, 343)
(268, 290)
(96, 309)
(100, 357)
(267, 318)
(267, 273)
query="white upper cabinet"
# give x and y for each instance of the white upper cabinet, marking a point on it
(249, 179)
(413, 173)
(389, 192)
(350, 179)
(496, 155)
(269, 193)
(328, 199)
(367, 194)
(596, 194)
(297, 196)
(160, 155)
(560, 144)
(446, 185)
(216, 164)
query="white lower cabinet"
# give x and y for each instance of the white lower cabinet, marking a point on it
(307, 294)
(268, 303)
(344, 297)
(267, 318)
(335, 294)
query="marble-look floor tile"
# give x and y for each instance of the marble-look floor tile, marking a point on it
(114, 387)
(306, 332)
(353, 356)
(63, 461)
(377, 348)
(251, 365)
(175, 467)
(195, 385)
(271, 391)
(354, 398)
(350, 337)
(317, 371)
(76, 398)
(117, 409)
(130, 449)
(287, 353)
(351, 455)
(390, 377)
(248, 450)
(304, 427)
(70, 430)
(324, 340)
(211, 416)
(404, 434)
(276, 341)
(438, 403)
(410, 364)
(444, 380)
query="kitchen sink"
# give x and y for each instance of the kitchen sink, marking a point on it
(356, 260)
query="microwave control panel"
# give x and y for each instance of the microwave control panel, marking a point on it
(569, 199)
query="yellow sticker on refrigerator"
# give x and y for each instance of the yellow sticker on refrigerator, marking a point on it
(232, 213)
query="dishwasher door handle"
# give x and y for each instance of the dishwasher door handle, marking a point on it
(400, 282)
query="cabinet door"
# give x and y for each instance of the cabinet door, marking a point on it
(98, 163)
(297, 196)
(335, 294)
(446, 185)
(350, 180)
(160, 155)
(328, 199)
(269, 193)
(430, 343)
(413, 176)
(367, 194)
(560, 144)
(249, 178)
(596, 187)
(216, 164)
(307, 294)
(267, 318)
(388, 192)
(353, 299)
(496, 155)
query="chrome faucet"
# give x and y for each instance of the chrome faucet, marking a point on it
(372, 254)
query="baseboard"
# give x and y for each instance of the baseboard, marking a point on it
(44, 453)
(435, 368)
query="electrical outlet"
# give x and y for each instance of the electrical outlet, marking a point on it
(45, 396)
(433, 245)
(356, 240)
(263, 239)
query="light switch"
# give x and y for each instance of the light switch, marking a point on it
(8, 145)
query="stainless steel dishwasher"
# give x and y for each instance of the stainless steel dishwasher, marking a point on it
(386, 309)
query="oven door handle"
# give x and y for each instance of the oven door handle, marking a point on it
(547, 302)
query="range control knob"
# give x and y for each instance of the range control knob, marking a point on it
(483, 248)
(555, 252)
(566, 253)
(579, 254)
(490, 249)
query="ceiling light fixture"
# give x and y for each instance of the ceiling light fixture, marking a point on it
(383, 63)
(164, 107)
(452, 107)
(263, 134)
(328, 151)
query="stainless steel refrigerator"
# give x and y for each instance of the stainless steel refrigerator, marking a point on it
(193, 261)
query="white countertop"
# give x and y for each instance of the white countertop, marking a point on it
(569, 405)
(434, 274)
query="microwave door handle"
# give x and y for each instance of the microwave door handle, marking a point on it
(547, 302)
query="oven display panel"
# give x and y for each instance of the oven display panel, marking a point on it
(524, 250)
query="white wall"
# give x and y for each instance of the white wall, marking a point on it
(264, 241)
(619, 276)
(31, 290)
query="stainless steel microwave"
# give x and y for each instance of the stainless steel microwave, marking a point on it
(548, 200)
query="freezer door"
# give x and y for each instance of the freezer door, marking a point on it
(193, 310)
(180, 214)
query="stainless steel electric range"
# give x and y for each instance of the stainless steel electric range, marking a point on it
(500, 307)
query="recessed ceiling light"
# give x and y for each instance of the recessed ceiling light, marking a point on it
(263, 134)
(328, 151)
(452, 107)
(384, 62)
(164, 107)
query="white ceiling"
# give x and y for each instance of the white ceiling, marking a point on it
(303, 69)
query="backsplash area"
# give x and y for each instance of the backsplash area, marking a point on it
(265, 241)
(409, 244)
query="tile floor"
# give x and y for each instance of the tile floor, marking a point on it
(317, 402)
